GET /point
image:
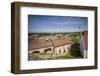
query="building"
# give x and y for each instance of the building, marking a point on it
(57, 46)
(62, 45)
(39, 46)
(84, 43)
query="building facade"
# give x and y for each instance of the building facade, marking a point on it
(56, 47)
(84, 43)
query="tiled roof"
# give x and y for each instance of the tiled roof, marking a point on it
(60, 42)
(38, 43)
(41, 43)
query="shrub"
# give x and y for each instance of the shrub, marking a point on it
(75, 50)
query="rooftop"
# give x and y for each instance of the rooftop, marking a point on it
(42, 43)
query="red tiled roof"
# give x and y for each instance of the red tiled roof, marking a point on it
(85, 38)
(41, 43)
(38, 43)
(59, 42)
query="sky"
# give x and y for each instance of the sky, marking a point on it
(49, 24)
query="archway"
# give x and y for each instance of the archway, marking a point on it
(35, 52)
(48, 49)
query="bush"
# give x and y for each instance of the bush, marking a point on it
(75, 50)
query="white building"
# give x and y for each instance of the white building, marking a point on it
(62, 46)
(84, 43)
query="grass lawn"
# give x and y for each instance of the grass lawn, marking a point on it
(66, 56)
(41, 56)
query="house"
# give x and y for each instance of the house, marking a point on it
(53, 46)
(39, 45)
(84, 43)
(62, 46)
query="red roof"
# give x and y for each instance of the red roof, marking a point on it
(42, 43)
(60, 42)
(38, 43)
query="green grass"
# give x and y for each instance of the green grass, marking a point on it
(42, 53)
(66, 56)
(74, 53)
